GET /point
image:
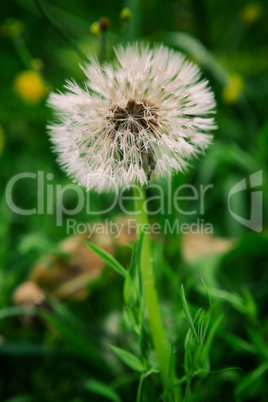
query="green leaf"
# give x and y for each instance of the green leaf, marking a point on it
(259, 342)
(207, 293)
(130, 292)
(233, 299)
(129, 359)
(240, 344)
(108, 258)
(8, 312)
(136, 254)
(188, 314)
(99, 388)
(188, 356)
(210, 337)
(252, 378)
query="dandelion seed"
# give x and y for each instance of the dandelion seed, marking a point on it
(147, 115)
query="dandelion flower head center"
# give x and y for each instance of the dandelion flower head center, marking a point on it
(133, 118)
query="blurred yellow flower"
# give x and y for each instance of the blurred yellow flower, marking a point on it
(231, 92)
(30, 86)
(251, 13)
(95, 28)
(2, 139)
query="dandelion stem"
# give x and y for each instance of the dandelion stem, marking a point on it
(150, 290)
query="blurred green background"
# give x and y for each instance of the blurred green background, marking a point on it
(56, 355)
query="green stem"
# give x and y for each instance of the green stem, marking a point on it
(68, 39)
(103, 47)
(132, 28)
(188, 390)
(23, 52)
(148, 282)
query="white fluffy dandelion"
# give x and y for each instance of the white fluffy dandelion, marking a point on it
(147, 114)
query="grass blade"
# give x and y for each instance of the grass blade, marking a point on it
(188, 314)
(102, 389)
(129, 359)
(108, 258)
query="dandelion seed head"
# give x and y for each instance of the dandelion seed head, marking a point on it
(146, 115)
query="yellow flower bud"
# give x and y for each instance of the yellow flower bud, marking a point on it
(95, 28)
(125, 14)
